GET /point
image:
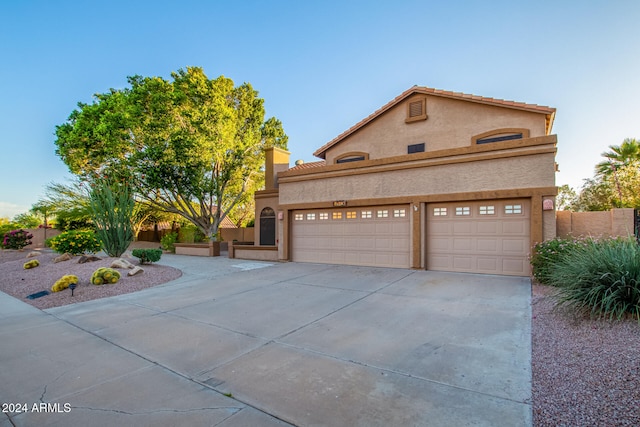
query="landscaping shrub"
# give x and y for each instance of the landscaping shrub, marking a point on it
(600, 277)
(112, 206)
(105, 275)
(31, 264)
(167, 241)
(16, 239)
(64, 282)
(548, 253)
(147, 255)
(75, 242)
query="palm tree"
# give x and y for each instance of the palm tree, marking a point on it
(620, 155)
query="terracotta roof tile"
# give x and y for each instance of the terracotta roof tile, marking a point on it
(308, 165)
(549, 111)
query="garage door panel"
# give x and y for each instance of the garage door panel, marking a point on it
(364, 240)
(493, 238)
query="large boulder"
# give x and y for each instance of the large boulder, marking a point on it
(63, 257)
(135, 270)
(121, 263)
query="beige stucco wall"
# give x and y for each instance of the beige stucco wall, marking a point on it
(451, 123)
(529, 171)
(616, 222)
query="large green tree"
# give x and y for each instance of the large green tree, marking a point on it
(192, 146)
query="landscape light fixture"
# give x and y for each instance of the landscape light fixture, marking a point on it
(72, 286)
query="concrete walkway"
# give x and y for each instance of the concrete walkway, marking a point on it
(243, 343)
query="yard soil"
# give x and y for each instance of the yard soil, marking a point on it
(18, 282)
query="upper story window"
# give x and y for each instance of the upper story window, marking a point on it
(499, 135)
(416, 109)
(415, 148)
(352, 157)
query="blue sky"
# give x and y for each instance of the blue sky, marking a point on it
(321, 66)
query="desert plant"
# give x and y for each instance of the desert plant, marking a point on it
(549, 252)
(147, 255)
(31, 264)
(16, 239)
(105, 275)
(112, 207)
(64, 282)
(75, 242)
(167, 241)
(601, 278)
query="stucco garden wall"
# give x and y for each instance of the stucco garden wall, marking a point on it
(616, 222)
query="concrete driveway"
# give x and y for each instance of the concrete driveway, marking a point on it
(242, 343)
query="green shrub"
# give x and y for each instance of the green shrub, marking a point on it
(112, 208)
(548, 253)
(105, 275)
(167, 241)
(147, 255)
(75, 242)
(600, 277)
(16, 239)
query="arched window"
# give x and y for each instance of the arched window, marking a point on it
(267, 227)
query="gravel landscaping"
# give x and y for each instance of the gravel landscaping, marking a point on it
(18, 282)
(585, 372)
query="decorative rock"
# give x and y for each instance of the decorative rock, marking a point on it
(135, 270)
(63, 257)
(88, 258)
(121, 263)
(32, 254)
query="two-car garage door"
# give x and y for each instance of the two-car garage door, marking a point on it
(490, 237)
(371, 236)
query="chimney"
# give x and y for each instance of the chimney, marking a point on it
(276, 160)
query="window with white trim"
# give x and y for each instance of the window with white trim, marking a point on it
(399, 213)
(439, 211)
(366, 214)
(463, 210)
(337, 215)
(383, 214)
(311, 217)
(298, 217)
(487, 210)
(323, 215)
(512, 209)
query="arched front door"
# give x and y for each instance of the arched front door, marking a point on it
(267, 227)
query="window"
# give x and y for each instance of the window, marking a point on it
(337, 215)
(512, 209)
(383, 214)
(366, 214)
(463, 210)
(323, 215)
(351, 215)
(311, 217)
(439, 211)
(298, 217)
(415, 148)
(399, 213)
(487, 210)
(350, 159)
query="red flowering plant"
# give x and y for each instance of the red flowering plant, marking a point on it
(16, 239)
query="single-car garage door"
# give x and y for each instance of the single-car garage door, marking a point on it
(372, 236)
(490, 237)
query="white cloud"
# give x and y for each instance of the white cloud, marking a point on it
(9, 210)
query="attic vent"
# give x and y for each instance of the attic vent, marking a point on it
(416, 110)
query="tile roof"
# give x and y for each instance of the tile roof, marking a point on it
(308, 165)
(548, 111)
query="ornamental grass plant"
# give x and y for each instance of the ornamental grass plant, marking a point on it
(599, 277)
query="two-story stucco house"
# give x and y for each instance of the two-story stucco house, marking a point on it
(434, 179)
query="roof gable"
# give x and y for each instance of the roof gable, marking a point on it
(549, 112)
